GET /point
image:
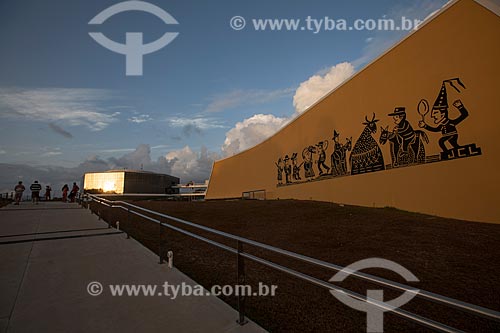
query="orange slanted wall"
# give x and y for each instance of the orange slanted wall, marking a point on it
(454, 56)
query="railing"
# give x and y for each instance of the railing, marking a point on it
(7, 195)
(241, 255)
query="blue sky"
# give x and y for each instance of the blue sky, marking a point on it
(65, 101)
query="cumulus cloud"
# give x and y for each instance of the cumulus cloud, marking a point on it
(191, 165)
(250, 132)
(70, 106)
(317, 86)
(254, 130)
(138, 159)
(245, 97)
(59, 130)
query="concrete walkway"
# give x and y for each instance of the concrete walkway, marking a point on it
(43, 284)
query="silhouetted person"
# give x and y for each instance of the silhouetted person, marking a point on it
(19, 189)
(48, 189)
(65, 190)
(74, 191)
(35, 192)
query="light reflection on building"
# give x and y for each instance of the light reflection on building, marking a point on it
(127, 181)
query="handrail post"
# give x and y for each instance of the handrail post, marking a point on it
(241, 282)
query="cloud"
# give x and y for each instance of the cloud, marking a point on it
(57, 129)
(140, 118)
(116, 150)
(197, 121)
(188, 130)
(238, 98)
(51, 153)
(138, 159)
(254, 130)
(250, 132)
(70, 106)
(194, 125)
(190, 165)
(317, 86)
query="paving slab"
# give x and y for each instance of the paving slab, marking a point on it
(45, 282)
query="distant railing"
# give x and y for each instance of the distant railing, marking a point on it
(7, 196)
(241, 255)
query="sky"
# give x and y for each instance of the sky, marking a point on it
(67, 106)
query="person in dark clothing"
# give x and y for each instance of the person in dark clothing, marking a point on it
(65, 190)
(19, 189)
(35, 192)
(73, 193)
(48, 189)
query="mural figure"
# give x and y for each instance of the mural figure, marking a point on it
(307, 155)
(280, 167)
(366, 155)
(406, 144)
(321, 148)
(447, 126)
(296, 168)
(338, 157)
(288, 169)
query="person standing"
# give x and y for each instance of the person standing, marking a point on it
(35, 192)
(73, 193)
(48, 189)
(19, 189)
(65, 190)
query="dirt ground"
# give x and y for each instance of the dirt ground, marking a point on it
(458, 259)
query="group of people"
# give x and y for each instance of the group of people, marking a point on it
(36, 188)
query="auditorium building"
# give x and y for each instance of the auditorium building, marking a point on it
(416, 129)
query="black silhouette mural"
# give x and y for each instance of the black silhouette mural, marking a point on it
(296, 167)
(407, 146)
(288, 169)
(321, 148)
(366, 155)
(447, 126)
(339, 155)
(307, 155)
(280, 166)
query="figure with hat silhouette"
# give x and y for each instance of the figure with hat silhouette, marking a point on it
(307, 155)
(296, 167)
(288, 169)
(406, 144)
(447, 126)
(322, 146)
(280, 167)
(338, 157)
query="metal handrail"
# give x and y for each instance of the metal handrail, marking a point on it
(464, 306)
